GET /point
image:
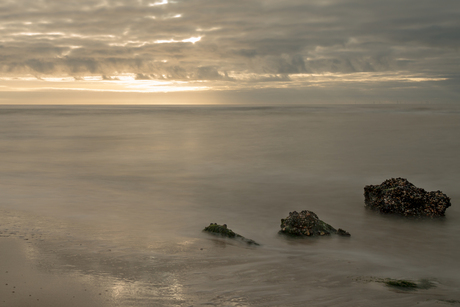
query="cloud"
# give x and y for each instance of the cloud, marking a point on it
(109, 78)
(40, 66)
(142, 77)
(278, 38)
(210, 73)
(271, 78)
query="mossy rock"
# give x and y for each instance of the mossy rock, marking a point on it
(220, 229)
(307, 223)
(224, 231)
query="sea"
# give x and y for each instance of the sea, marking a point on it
(119, 196)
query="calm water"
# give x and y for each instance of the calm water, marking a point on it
(119, 195)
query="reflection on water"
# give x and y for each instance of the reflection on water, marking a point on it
(119, 196)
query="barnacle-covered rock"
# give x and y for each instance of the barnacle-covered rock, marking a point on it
(399, 196)
(224, 231)
(307, 223)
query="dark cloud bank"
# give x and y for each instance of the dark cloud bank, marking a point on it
(266, 41)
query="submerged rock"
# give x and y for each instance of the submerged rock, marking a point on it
(224, 231)
(399, 196)
(400, 283)
(307, 223)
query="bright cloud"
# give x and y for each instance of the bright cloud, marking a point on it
(241, 44)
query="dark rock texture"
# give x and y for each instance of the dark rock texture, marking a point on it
(307, 223)
(224, 231)
(399, 196)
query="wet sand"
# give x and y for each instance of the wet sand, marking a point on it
(24, 282)
(210, 271)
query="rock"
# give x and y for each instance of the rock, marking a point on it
(224, 231)
(307, 223)
(342, 232)
(399, 196)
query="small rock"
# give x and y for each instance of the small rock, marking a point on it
(224, 231)
(342, 232)
(307, 223)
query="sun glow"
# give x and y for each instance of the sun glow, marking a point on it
(209, 30)
(109, 89)
(37, 33)
(120, 83)
(159, 3)
(192, 40)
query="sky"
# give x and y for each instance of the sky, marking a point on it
(237, 51)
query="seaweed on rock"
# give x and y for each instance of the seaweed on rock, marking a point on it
(224, 231)
(400, 283)
(307, 223)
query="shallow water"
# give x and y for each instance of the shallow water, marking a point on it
(119, 195)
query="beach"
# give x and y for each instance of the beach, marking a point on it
(105, 206)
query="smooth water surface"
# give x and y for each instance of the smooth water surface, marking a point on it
(119, 195)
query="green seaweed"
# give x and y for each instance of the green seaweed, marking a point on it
(425, 284)
(328, 229)
(401, 283)
(220, 229)
(450, 301)
(224, 231)
(307, 224)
